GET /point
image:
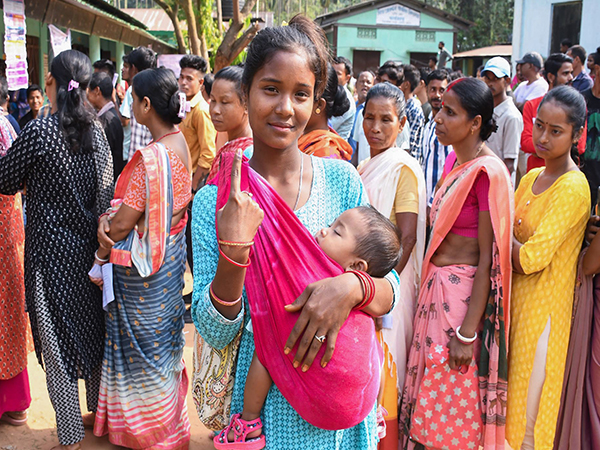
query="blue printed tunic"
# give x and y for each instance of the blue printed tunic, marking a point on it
(336, 187)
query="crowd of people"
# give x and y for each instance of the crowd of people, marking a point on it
(401, 259)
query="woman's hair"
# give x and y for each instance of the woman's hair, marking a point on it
(301, 33)
(160, 86)
(379, 244)
(574, 106)
(335, 97)
(75, 114)
(209, 79)
(477, 99)
(596, 56)
(391, 92)
(234, 75)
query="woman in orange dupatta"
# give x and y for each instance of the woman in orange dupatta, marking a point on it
(466, 277)
(228, 113)
(320, 139)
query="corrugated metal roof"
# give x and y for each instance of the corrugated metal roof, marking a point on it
(155, 19)
(494, 50)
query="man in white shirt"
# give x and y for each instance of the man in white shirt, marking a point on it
(535, 85)
(505, 142)
(343, 124)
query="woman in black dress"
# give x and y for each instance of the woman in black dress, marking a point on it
(64, 162)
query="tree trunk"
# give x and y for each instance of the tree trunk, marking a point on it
(188, 9)
(232, 46)
(204, 49)
(220, 17)
(172, 11)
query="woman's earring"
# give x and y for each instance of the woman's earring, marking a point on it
(318, 110)
(472, 131)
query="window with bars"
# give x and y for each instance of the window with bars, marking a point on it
(425, 36)
(366, 33)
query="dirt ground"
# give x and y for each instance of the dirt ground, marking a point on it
(40, 431)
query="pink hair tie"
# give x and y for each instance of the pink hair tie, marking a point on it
(184, 106)
(73, 85)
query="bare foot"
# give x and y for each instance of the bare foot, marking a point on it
(68, 447)
(88, 420)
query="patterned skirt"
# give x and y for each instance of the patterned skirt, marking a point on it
(144, 381)
(443, 304)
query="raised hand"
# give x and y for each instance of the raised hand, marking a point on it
(238, 220)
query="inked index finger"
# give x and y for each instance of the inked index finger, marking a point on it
(236, 170)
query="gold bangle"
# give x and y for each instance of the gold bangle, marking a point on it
(235, 244)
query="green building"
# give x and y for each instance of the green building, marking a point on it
(408, 31)
(98, 29)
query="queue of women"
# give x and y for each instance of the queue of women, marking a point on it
(477, 333)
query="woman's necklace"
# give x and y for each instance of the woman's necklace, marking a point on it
(300, 182)
(474, 157)
(479, 150)
(165, 135)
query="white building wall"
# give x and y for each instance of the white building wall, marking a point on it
(532, 26)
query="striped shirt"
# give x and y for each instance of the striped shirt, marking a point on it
(416, 120)
(432, 157)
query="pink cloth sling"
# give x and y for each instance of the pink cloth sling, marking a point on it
(286, 259)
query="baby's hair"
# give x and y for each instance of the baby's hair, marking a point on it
(379, 245)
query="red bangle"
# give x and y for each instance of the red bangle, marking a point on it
(237, 264)
(222, 302)
(368, 285)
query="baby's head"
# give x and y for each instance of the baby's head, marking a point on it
(362, 239)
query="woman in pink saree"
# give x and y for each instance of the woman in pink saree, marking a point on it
(467, 270)
(330, 404)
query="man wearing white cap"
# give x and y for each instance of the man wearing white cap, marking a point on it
(505, 142)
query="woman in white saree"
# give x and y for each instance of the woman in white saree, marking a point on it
(395, 184)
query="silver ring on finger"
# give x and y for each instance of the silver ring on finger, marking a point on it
(321, 339)
(249, 194)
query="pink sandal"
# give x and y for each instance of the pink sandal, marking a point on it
(241, 429)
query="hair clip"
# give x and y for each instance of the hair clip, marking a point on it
(184, 106)
(73, 85)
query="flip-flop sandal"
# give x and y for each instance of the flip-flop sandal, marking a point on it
(7, 418)
(241, 428)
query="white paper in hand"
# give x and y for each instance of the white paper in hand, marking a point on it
(108, 293)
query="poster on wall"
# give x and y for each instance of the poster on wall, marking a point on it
(60, 41)
(170, 62)
(398, 15)
(15, 47)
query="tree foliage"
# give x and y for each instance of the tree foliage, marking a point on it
(493, 21)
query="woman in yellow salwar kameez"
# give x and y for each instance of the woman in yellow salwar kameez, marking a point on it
(552, 205)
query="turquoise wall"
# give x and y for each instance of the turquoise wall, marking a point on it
(393, 42)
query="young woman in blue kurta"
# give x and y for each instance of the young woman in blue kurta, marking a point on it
(285, 71)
